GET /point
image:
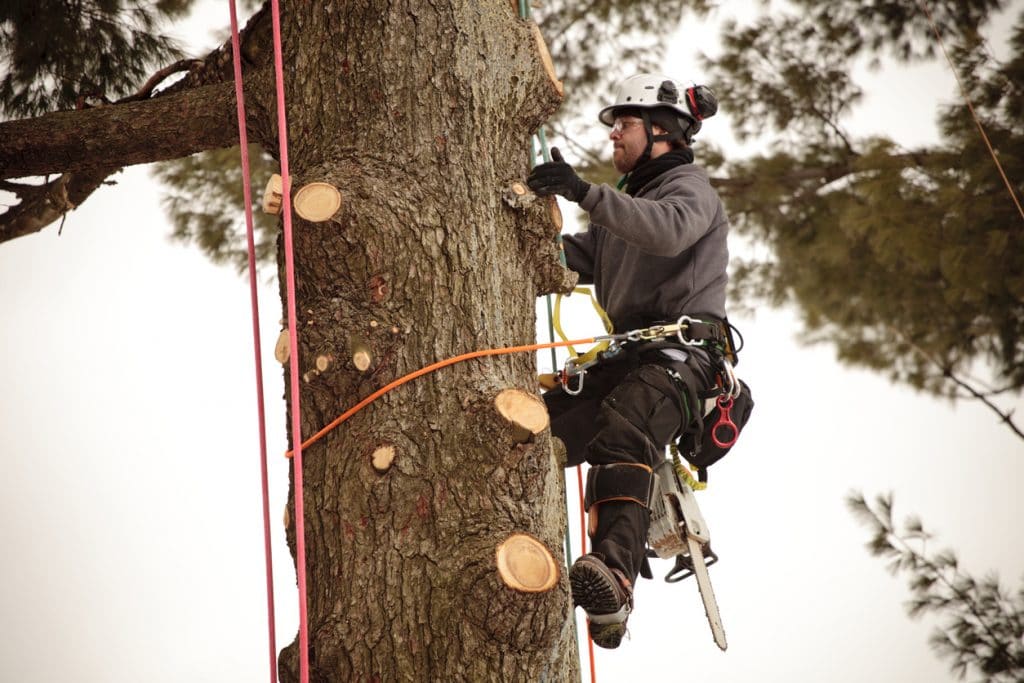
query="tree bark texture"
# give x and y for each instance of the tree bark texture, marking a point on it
(420, 113)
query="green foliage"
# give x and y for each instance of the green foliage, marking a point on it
(204, 196)
(790, 74)
(59, 50)
(910, 262)
(899, 27)
(982, 626)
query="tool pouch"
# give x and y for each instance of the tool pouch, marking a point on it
(699, 447)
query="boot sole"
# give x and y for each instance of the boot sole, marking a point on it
(595, 592)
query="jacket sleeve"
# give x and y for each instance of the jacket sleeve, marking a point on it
(683, 211)
(579, 254)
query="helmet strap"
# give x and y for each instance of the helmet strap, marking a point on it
(652, 138)
(646, 156)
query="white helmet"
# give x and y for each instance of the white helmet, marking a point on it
(655, 91)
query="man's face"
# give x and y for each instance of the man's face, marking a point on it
(629, 140)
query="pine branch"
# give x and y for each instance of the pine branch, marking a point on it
(983, 628)
(947, 372)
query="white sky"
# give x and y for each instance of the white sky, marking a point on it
(130, 505)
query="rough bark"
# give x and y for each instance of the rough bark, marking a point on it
(420, 113)
(122, 135)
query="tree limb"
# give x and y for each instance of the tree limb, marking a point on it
(41, 205)
(735, 186)
(122, 135)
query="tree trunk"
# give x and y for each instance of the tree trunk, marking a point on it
(420, 113)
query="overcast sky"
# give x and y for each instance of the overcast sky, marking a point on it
(130, 518)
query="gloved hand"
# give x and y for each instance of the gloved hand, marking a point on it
(558, 177)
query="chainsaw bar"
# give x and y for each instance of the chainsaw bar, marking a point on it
(707, 594)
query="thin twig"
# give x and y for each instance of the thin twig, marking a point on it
(947, 372)
(156, 79)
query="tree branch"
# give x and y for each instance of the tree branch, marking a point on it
(947, 372)
(121, 135)
(736, 186)
(1004, 417)
(41, 205)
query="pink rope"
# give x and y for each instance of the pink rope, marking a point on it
(257, 349)
(293, 341)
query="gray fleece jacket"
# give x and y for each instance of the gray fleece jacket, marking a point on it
(658, 255)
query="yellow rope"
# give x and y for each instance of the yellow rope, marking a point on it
(684, 472)
(592, 353)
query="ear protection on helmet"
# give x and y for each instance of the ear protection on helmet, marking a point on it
(650, 91)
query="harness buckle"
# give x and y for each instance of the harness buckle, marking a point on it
(682, 325)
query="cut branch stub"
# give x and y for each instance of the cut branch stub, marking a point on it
(382, 457)
(545, 59)
(518, 195)
(525, 564)
(362, 358)
(556, 213)
(524, 411)
(281, 349)
(324, 362)
(272, 195)
(317, 201)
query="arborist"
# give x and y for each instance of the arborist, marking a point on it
(655, 252)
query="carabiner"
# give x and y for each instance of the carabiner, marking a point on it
(725, 422)
(731, 387)
(566, 378)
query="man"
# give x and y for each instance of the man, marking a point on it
(654, 253)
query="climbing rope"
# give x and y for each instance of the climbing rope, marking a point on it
(481, 353)
(286, 211)
(970, 108)
(282, 128)
(243, 142)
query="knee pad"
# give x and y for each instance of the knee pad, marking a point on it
(628, 482)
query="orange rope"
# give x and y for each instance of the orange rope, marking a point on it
(426, 370)
(970, 107)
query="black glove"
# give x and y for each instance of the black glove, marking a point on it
(557, 177)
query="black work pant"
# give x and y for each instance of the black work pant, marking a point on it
(628, 412)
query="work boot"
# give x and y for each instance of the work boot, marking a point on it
(605, 594)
